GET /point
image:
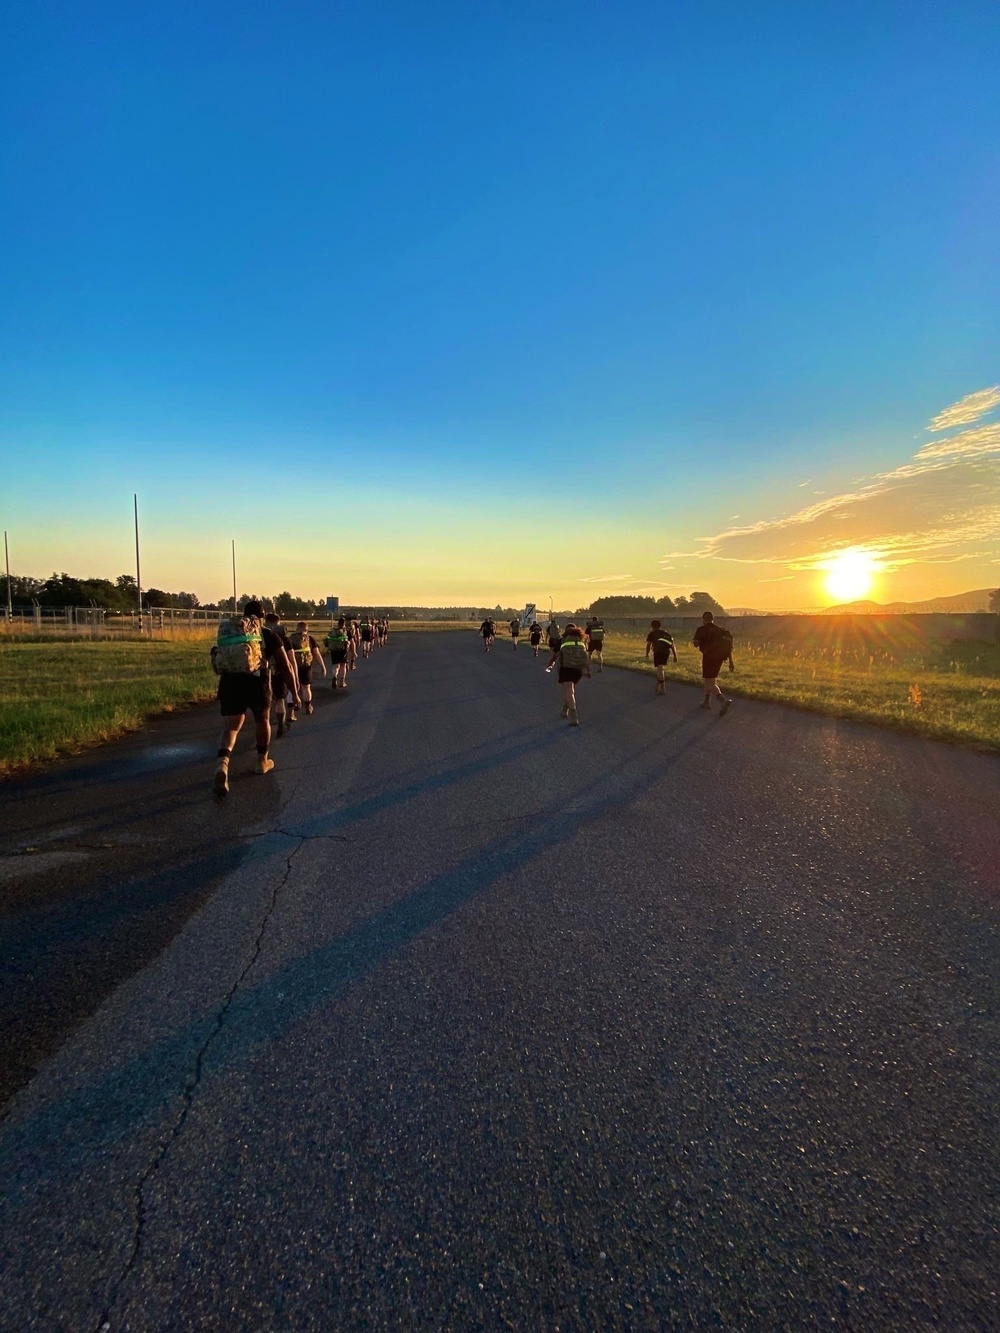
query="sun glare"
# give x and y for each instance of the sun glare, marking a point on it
(850, 575)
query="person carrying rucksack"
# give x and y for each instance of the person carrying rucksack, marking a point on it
(595, 640)
(715, 643)
(515, 631)
(341, 645)
(284, 677)
(661, 645)
(242, 656)
(574, 664)
(535, 637)
(307, 654)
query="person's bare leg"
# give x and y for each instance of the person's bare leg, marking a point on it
(574, 720)
(227, 742)
(262, 736)
(568, 699)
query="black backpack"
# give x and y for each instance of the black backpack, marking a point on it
(724, 639)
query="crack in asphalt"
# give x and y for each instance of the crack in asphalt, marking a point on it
(302, 837)
(104, 1324)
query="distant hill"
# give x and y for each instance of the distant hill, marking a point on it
(962, 603)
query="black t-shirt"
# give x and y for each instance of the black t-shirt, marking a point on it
(274, 638)
(515, 627)
(660, 642)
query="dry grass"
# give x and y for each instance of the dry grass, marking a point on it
(947, 690)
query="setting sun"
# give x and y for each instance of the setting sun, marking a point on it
(850, 575)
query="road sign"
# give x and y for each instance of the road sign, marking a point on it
(528, 615)
(333, 605)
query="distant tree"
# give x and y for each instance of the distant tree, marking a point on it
(61, 590)
(22, 589)
(622, 604)
(995, 602)
(664, 603)
(698, 603)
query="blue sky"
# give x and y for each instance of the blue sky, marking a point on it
(451, 302)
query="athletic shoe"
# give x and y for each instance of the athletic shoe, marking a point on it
(309, 710)
(264, 764)
(564, 712)
(706, 704)
(221, 783)
(280, 731)
(292, 717)
(574, 718)
(726, 705)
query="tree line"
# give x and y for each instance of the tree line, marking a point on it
(119, 595)
(622, 604)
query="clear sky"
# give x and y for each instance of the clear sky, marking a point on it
(477, 302)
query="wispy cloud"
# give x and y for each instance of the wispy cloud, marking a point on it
(970, 408)
(941, 506)
(606, 578)
(969, 443)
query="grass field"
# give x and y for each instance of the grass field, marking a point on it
(948, 690)
(56, 697)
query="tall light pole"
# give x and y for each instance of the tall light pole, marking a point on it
(138, 575)
(235, 604)
(6, 556)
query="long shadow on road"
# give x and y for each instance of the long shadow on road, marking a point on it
(112, 1109)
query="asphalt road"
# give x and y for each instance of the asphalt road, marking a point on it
(463, 1019)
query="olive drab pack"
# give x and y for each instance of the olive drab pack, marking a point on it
(239, 646)
(301, 647)
(336, 641)
(574, 655)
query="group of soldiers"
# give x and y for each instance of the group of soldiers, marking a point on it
(267, 670)
(578, 650)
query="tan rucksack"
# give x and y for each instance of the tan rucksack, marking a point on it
(239, 647)
(301, 646)
(574, 655)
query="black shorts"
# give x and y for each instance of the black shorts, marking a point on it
(595, 646)
(659, 661)
(570, 675)
(305, 673)
(240, 694)
(535, 640)
(711, 666)
(338, 656)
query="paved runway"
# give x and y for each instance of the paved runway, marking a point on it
(463, 1019)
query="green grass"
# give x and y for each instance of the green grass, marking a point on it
(57, 697)
(947, 690)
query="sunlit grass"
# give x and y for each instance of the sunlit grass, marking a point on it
(948, 690)
(56, 697)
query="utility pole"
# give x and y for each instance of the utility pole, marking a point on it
(138, 575)
(235, 605)
(6, 556)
